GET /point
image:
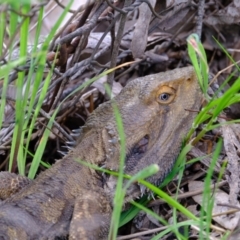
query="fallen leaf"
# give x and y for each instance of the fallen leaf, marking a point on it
(228, 221)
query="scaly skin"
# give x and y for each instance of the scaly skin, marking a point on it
(72, 200)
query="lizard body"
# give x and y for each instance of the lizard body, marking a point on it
(70, 199)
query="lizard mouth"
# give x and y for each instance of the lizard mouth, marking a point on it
(132, 158)
(140, 147)
(136, 153)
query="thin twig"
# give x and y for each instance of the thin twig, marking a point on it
(63, 7)
(80, 31)
(61, 130)
(200, 18)
(116, 46)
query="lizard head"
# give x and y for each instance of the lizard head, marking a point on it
(162, 118)
(156, 115)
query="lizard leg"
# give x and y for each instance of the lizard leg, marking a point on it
(11, 183)
(91, 216)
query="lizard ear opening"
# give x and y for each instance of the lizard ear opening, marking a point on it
(165, 95)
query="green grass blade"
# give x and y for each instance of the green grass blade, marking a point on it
(208, 199)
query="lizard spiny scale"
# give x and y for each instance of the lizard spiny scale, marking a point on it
(71, 143)
(62, 153)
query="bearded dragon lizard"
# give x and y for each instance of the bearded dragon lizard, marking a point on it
(75, 201)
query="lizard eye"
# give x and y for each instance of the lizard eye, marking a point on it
(165, 95)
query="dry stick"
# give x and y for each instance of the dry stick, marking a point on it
(45, 14)
(229, 206)
(152, 9)
(167, 16)
(178, 31)
(116, 47)
(52, 45)
(83, 65)
(57, 125)
(71, 105)
(200, 18)
(115, 8)
(82, 20)
(59, 94)
(55, 134)
(63, 7)
(82, 39)
(131, 236)
(74, 71)
(223, 70)
(85, 28)
(203, 232)
(81, 44)
(4, 163)
(129, 69)
(65, 78)
(94, 53)
(103, 36)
